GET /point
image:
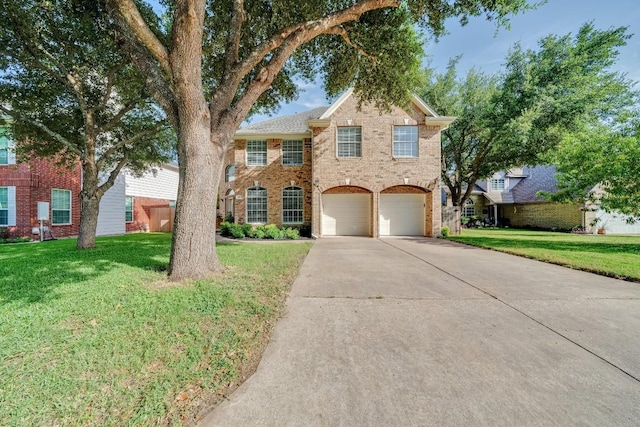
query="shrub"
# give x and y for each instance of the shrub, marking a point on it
(237, 231)
(15, 240)
(229, 218)
(225, 228)
(445, 231)
(258, 233)
(304, 230)
(247, 229)
(272, 231)
(291, 233)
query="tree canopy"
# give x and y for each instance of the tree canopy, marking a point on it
(514, 118)
(73, 96)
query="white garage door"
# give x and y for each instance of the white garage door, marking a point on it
(346, 214)
(402, 214)
(617, 224)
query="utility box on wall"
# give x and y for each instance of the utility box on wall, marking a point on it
(43, 211)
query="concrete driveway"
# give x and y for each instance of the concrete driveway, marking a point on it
(400, 332)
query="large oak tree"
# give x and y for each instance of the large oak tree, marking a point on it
(217, 61)
(73, 96)
(514, 118)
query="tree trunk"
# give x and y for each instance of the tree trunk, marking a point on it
(193, 249)
(456, 220)
(89, 209)
(89, 205)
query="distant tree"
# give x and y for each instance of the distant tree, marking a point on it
(218, 61)
(600, 166)
(71, 95)
(514, 118)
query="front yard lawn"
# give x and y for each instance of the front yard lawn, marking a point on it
(100, 337)
(615, 256)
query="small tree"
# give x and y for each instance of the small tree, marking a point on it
(72, 96)
(218, 61)
(515, 118)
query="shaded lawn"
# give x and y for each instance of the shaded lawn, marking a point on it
(99, 337)
(615, 256)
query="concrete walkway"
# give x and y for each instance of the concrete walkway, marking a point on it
(401, 332)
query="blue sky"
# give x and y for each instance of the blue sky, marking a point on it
(485, 50)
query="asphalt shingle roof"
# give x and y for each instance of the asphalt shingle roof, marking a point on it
(538, 178)
(294, 123)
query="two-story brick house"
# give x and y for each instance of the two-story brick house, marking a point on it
(340, 169)
(23, 185)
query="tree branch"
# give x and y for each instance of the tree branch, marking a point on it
(61, 139)
(342, 32)
(117, 117)
(238, 19)
(286, 41)
(109, 88)
(129, 12)
(113, 175)
(120, 145)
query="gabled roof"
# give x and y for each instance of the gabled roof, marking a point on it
(298, 124)
(293, 124)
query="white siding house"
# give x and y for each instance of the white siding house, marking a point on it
(159, 184)
(111, 216)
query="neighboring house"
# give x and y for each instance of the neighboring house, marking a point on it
(140, 203)
(23, 185)
(340, 170)
(511, 198)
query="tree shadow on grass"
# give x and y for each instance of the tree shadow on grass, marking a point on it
(32, 272)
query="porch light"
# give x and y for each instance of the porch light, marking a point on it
(347, 181)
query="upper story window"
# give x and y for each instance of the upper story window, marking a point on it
(469, 208)
(256, 205)
(292, 152)
(7, 157)
(60, 207)
(256, 153)
(496, 184)
(292, 205)
(230, 173)
(128, 209)
(405, 141)
(350, 141)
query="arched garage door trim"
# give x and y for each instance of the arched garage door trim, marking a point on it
(402, 211)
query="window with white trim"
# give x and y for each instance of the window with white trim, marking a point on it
(256, 153)
(128, 209)
(497, 184)
(292, 205)
(405, 141)
(256, 205)
(60, 207)
(469, 208)
(7, 156)
(4, 206)
(349, 141)
(230, 173)
(292, 152)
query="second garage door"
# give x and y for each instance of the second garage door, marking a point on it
(402, 214)
(346, 214)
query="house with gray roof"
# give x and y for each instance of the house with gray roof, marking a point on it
(339, 170)
(512, 198)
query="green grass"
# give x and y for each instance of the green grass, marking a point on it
(615, 256)
(100, 337)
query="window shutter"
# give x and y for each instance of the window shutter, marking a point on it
(11, 157)
(12, 206)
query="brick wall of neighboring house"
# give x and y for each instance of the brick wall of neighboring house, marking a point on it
(543, 215)
(34, 181)
(377, 169)
(273, 177)
(142, 213)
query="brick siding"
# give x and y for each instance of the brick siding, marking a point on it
(142, 213)
(543, 215)
(34, 181)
